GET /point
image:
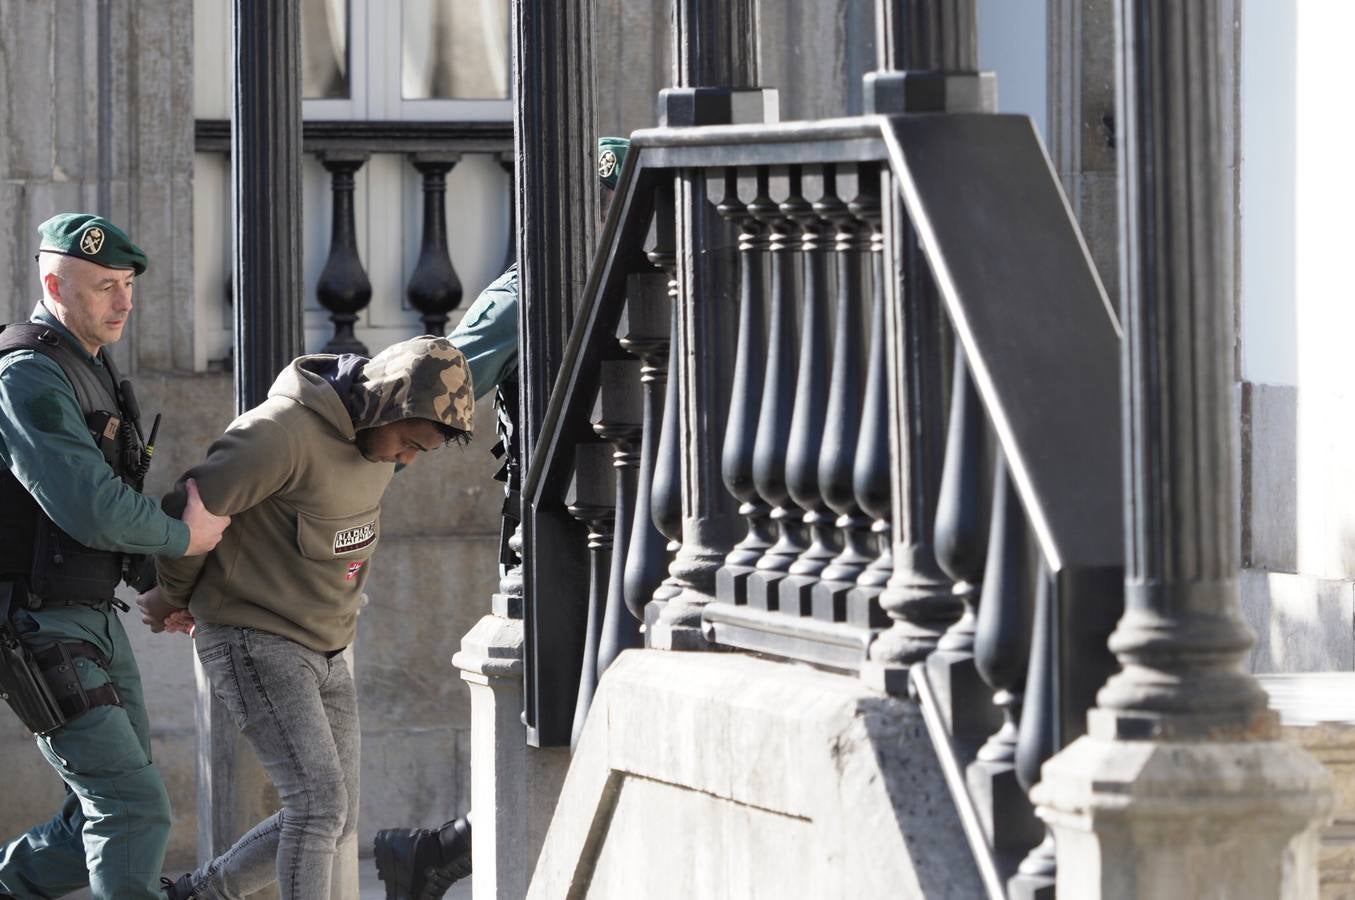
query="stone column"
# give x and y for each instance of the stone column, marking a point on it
(715, 73)
(1181, 788)
(513, 786)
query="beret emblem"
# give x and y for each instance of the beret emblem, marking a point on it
(606, 164)
(92, 241)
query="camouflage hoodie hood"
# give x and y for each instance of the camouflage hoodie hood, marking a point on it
(421, 378)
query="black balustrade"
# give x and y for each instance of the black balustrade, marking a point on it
(736, 192)
(434, 288)
(816, 539)
(644, 332)
(1002, 655)
(778, 393)
(961, 548)
(591, 499)
(343, 287)
(618, 419)
(842, 422)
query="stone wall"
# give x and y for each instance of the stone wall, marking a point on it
(751, 778)
(97, 104)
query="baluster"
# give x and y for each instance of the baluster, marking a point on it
(961, 544)
(644, 332)
(618, 419)
(591, 499)
(434, 288)
(343, 287)
(817, 539)
(842, 428)
(735, 195)
(1002, 654)
(1038, 740)
(778, 395)
(666, 495)
(918, 596)
(871, 471)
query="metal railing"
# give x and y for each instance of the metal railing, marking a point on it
(984, 558)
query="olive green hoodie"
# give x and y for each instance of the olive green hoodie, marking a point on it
(305, 504)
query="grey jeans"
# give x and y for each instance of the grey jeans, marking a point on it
(298, 708)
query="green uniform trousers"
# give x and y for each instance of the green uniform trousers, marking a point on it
(111, 831)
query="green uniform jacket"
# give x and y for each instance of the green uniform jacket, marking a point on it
(488, 333)
(44, 442)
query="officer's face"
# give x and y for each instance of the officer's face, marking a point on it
(92, 302)
(399, 442)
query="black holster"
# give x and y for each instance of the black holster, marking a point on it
(22, 684)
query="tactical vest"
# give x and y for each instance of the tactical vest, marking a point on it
(55, 567)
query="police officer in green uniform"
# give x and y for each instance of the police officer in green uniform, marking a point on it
(73, 522)
(421, 863)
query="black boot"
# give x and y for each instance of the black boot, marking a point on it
(178, 890)
(419, 863)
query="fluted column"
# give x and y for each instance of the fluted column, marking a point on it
(556, 214)
(738, 193)
(1182, 719)
(343, 287)
(434, 288)
(266, 194)
(714, 46)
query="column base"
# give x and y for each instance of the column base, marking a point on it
(1009, 823)
(674, 625)
(513, 787)
(964, 699)
(1184, 820)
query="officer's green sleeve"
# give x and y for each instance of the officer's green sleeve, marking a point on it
(44, 442)
(488, 334)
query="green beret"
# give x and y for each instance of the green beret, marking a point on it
(611, 154)
(91, 237)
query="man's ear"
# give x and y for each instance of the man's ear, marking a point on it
(52, 284)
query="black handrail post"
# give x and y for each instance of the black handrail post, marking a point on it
(715, 74)
(928, 62)
(556, 203)
(266, 194)
(265, 148)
